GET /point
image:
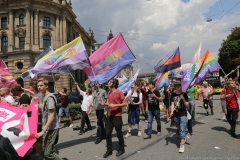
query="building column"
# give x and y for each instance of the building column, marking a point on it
(31, 25)
(28, 23)
(11, 32)
(36, 29)
(61, 32)
(71, 32)
(64, 30)
(57, 33)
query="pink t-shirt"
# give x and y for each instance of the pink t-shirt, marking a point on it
(206, 93)
(115, 97)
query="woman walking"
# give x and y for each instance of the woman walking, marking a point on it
(134, 110)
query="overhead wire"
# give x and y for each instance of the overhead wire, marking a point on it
(212, 25)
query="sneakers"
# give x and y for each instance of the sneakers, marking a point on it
(127, 135)
(238, 121)
(159, 134)
(98, 140)
(139, 133)
(212, 113)
(146, 121)
(181, 149)
(81, 132)
(207, 114)
(147, 137)
(71, 126)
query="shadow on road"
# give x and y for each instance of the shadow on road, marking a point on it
(203, 114)
(220, 129)
(90, 139)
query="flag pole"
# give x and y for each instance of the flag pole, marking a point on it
(70, 74)
(53, 78)
(94, 74)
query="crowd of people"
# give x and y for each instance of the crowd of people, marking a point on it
(141, 100)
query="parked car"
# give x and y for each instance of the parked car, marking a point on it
(217, 90)
(74, 97)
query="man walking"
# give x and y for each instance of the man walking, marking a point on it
(153, 110)
(115, 102)
(64, 106)
(231, 95)
(191, 108)
(50, 125)
(179, 104)
(206, 93)
(87, 98)
(98, 98)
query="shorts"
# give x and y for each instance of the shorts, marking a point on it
(39, 129)
(166, 107)
(207, 103)
(64, 110)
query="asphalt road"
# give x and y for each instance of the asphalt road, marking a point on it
(210, 141)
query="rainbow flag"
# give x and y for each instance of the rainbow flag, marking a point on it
(209, 65)
(25, 75)
(67, 58)
(109, 60)
(5, 76)
(87, 83)
(162, 80)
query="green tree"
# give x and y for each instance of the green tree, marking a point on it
(229, 53)
(139, 80)
(150, 79)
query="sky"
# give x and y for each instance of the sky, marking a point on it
(154, 28)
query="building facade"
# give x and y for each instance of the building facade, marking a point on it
(28, 27)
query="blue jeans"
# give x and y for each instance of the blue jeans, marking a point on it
(151, 114)
(180, 123)
(145, 115)
(64, 110)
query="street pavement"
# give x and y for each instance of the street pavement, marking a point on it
(210, 141)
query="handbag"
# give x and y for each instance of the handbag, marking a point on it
(188, 115)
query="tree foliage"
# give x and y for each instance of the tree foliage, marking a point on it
(229, 53)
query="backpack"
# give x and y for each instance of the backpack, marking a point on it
(44, 108)
(7, 152)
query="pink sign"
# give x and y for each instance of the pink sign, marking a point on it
(19, 125)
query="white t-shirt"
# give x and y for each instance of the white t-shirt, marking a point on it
(9, 99)
(86, 100)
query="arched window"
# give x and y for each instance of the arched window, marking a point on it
(21, 19)
(46, 41)
(4, 45)
(20, 81)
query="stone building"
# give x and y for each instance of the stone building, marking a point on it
(27, 27)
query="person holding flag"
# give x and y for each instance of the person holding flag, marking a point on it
(153, 110)
(179, 105)
(231, 95)
(87, 98)
(115, 102)
(98, 98)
